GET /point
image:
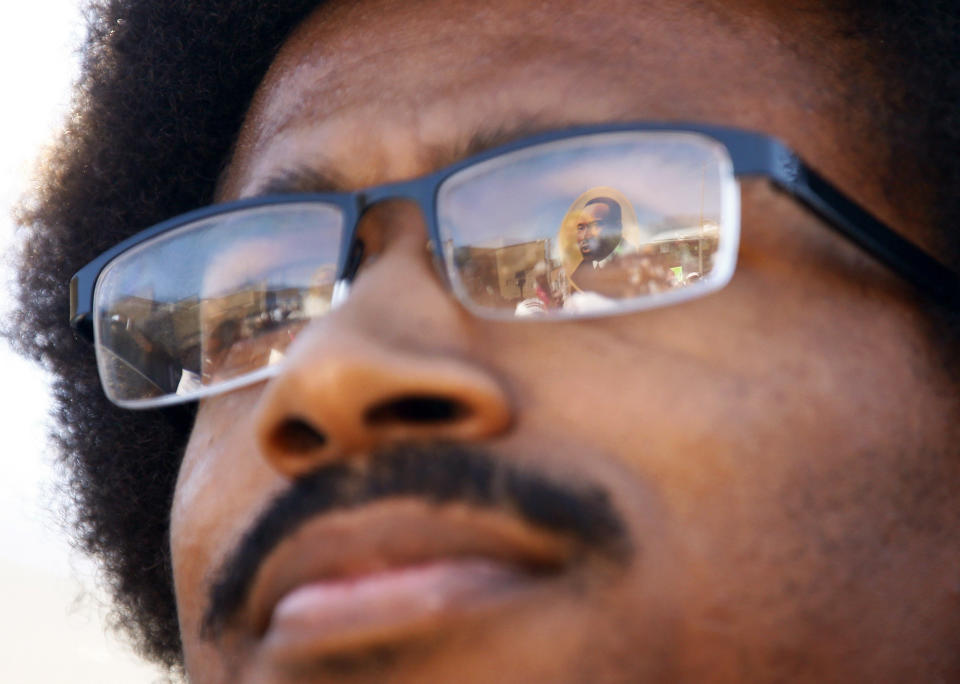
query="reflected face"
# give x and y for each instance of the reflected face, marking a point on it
(597, 232)
(417, 497)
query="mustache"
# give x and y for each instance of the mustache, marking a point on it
(437, 473)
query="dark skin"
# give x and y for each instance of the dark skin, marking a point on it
(597, 233)
(782, 452)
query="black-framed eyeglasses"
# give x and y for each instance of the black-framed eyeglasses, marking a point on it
(209, 301)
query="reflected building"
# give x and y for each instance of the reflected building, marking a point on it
(500, 277)
(152, 344)
(688, 251)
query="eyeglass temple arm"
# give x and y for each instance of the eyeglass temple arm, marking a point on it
(858, 225)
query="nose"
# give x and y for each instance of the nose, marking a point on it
(393, 364)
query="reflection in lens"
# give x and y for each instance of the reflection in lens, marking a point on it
(256, 296)
(213, 301)
(595, 223)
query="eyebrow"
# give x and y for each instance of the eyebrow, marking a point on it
(322, 178)
(300, 179)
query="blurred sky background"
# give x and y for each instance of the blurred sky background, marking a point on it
(52, 628)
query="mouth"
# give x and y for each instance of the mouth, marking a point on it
(395, 571)
(362, 559)
(590, 244)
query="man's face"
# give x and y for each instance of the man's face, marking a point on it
(751, 499)
(597, 233)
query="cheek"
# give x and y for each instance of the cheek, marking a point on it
(221, 486)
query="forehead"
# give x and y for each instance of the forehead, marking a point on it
(597, 210)
(377, 91)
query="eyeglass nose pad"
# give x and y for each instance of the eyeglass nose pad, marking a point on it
(357, 249)
(440, 263)
(341, 290)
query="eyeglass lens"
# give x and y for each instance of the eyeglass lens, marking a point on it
(214, 300)
(587, 224)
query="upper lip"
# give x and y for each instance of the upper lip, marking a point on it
(394, 534)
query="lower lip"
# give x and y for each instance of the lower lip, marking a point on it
(346, 615)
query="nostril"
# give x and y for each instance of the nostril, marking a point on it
(297, 436)
(422, 409)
